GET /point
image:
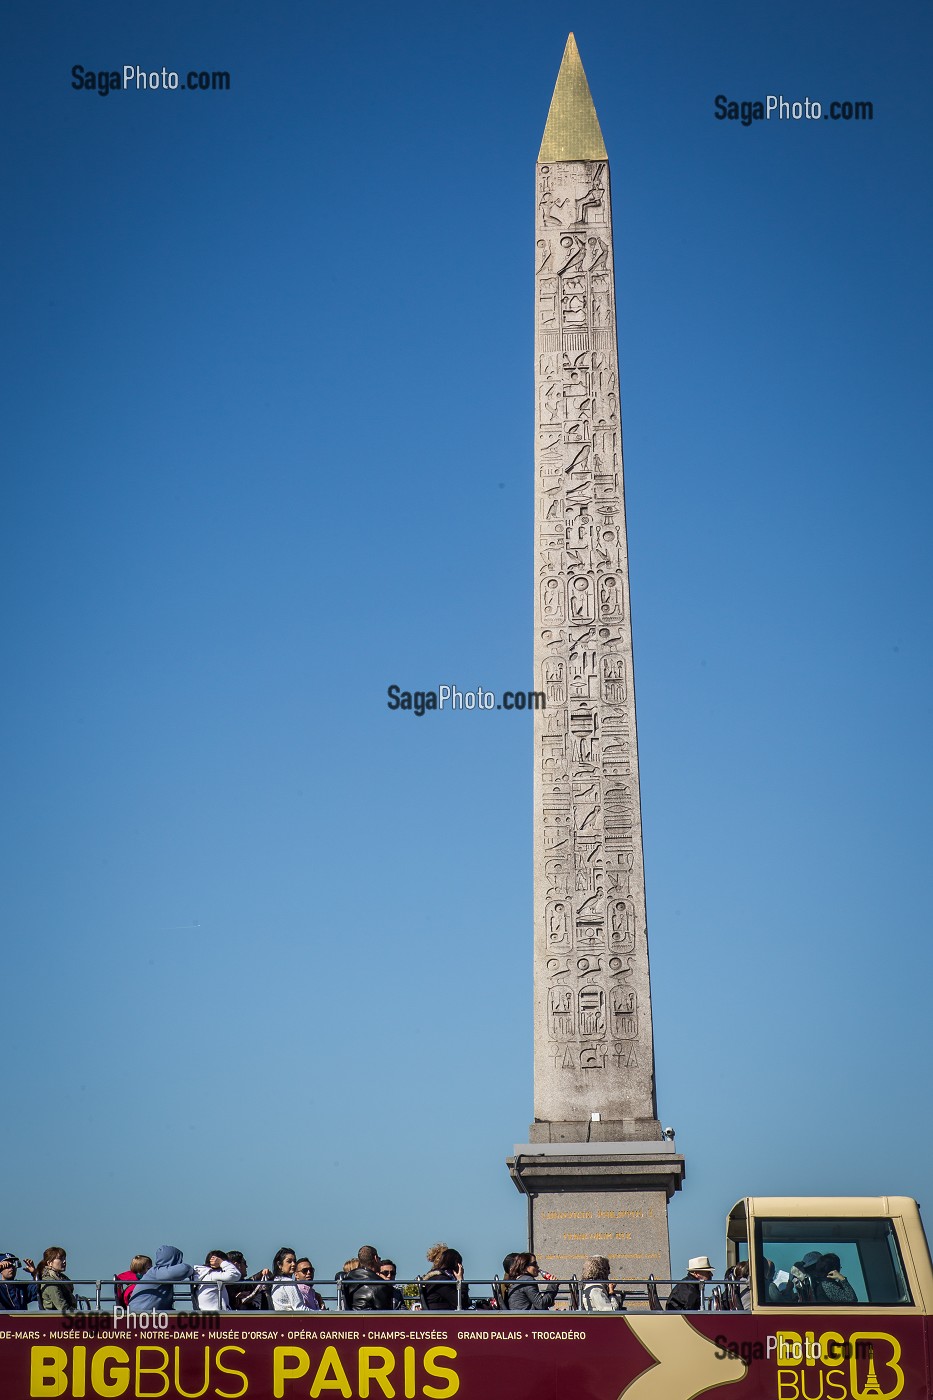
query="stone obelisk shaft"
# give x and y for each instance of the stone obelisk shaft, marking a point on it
(596, 1172)
(593, 1038)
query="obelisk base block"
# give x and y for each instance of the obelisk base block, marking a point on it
(607, 1198)
(613, 1130)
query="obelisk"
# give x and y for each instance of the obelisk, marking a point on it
(597, 1168)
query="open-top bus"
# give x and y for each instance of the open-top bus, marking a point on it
(777, 1347)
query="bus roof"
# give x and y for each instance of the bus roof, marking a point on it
(821, 1207)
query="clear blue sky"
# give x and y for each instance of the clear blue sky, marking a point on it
(268, 427)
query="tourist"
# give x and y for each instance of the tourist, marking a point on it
(57, 1295)
(433, 1256)
(249, 1294)
(285, 1295)
(123, 1289)
(523, 1293)
(388, 1271)
(599, 1294)
(446, 1292)
(687, 1296)
(500, 1287)
(828, 1284)
(801, 1284)
(15, 1296)
(155, 1291)
(777, 1289)
(304, 1278)
(741, 1292)
(216, 1271)
(339, 1277)
(363, 1288)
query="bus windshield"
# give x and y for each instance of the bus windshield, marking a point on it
(834, 1262)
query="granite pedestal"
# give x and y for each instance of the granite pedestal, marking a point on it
(607, 1198)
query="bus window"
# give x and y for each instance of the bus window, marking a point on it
(830, 1263)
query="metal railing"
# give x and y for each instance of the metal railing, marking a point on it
(570, 1296)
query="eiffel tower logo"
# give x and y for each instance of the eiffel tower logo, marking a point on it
(871, 1386)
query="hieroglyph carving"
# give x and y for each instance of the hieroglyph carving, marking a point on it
(592, 999)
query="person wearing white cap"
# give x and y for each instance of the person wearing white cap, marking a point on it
(686, 1295)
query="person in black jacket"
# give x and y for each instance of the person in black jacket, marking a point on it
(364, 1289)
(253, 1291)
(15, 1297)
(523, 1293)
(441, 1294)
(388, 1271)
(686, 1296)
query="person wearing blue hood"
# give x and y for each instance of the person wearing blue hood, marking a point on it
(155, 1291)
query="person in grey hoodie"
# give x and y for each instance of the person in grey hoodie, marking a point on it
(154, 1292)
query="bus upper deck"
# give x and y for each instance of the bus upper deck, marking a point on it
(787, 1343)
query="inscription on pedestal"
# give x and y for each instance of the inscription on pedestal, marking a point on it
(629, 1230)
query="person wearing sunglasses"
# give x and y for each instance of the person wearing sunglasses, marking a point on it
(304, 1279)
(387, 1270)
(523, 1291)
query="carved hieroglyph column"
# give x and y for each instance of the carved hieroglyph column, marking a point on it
(593, 1040)
(594, 1053)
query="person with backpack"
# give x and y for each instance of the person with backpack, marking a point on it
(599, 1293)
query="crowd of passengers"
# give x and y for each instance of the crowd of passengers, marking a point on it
(366, 1283)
